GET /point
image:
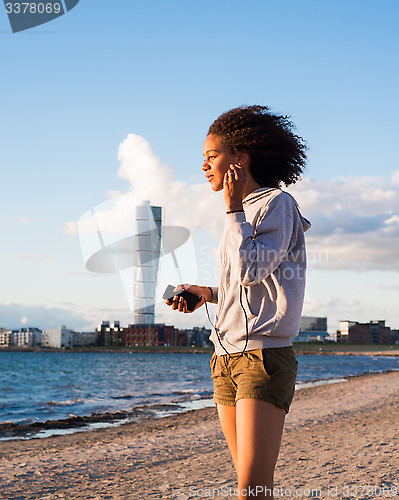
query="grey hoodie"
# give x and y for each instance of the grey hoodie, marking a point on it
(262, 267)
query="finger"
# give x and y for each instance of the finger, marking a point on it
(175, 302)
(241, 171)
(181, 304)
(237, 169)
(178, 306)
(226, 178)
(232, 172)
(183, 286)
(230, 175)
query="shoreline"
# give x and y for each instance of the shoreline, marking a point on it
(350, 442)
(316, 349)
(13, 431)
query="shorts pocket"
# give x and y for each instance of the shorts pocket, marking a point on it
(255, 362)
(279, 360)
(216, 370)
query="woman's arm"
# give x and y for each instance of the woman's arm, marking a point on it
(259, 254)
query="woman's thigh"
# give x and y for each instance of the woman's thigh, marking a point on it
(259, 427)
(227, 418)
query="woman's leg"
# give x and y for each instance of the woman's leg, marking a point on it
(227, 418)
(259, 427)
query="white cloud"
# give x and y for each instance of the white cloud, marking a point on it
(372, 251)
(336, 309)
(12, 315)
(355, 222)
(70, 227)
(392, 225)
(113, 193)
(395, 177)
(310, 305)
(192, 206)
(142, 169)
(360, 195)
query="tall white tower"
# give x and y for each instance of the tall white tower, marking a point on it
(123, 235)
(148, 250)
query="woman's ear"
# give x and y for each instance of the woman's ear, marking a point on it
(243, 159)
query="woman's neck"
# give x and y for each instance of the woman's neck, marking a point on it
(250, 187)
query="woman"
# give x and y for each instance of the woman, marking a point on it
(249, 153)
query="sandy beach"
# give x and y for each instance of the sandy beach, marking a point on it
(340, 441)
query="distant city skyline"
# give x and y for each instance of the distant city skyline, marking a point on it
(312, 329)
(104, 102)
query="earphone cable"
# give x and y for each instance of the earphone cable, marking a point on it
(246, 327)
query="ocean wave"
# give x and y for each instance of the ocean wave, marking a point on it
(315, 383)
(68, 402)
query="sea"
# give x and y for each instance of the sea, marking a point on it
(54, 387)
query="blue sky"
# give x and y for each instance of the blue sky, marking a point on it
(75, 88)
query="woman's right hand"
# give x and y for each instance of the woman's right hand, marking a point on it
(180, 304)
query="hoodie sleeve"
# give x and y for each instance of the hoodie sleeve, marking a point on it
(215, 290)
(260, 254)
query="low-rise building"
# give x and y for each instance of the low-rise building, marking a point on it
(83, 339)
(313, 324)
(395, 337)
(138, 334)
(197, 336)
(174, 336)
(5, 337)
(26, 337)
(374, 332)
(312, 329)
(109, 334)
(60, 337)
(143, 334)
(343, 332)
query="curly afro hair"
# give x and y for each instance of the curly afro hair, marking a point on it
(277, 154)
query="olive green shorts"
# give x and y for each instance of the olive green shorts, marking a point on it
(266, 374)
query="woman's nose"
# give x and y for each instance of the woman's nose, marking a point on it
(205, 166)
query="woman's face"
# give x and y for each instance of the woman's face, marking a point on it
(218, 159)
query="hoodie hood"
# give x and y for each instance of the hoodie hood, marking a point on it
(264, 192)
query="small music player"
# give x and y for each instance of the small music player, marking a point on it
(191, 299)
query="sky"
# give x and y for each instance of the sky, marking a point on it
(113, 100)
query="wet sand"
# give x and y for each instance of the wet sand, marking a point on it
(340, 439)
